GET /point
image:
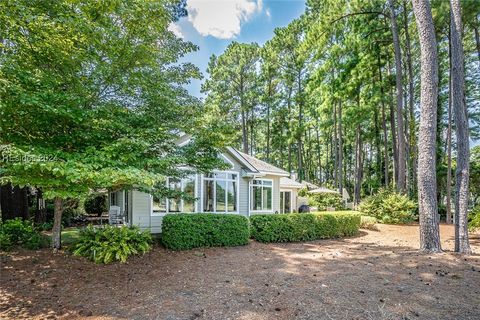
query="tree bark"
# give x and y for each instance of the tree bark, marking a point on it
(340, 149)
(358, 165)
(427, 178)
(411, 106)
(461, 124)
(57, 224)
(477, 42)
(449, 137)
(384, 124)
(401, 177)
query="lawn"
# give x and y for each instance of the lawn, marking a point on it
(375, 275)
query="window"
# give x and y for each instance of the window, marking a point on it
(113, 199)
(261, 195)
(162, 205)
(220, 192)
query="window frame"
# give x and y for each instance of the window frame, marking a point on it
(251, 195)
(214, 179)
(167, 204)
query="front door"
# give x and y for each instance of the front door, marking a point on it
(285, 201)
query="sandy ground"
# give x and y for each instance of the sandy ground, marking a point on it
(375, 275)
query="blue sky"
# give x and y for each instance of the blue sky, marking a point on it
(214, 24)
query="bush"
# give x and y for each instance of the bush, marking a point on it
(367, 222)
(388, 206)
(325, 200)
(293, 227)
(187, 231)
(96, 204)
(109, 243)
(474, 219)
(18, 232)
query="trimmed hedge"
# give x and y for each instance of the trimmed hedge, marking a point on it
(294, 227)
(186, 231)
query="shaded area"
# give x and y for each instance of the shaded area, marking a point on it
(375, 275)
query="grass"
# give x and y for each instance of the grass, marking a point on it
(70, 236)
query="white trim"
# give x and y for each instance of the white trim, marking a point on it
(241, 159)
(250, 191)
(228, 160)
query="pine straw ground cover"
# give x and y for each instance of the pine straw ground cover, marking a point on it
(375, 275)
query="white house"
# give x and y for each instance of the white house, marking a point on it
(249, 186)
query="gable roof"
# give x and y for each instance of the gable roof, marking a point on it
(286, 182)
(256, 165)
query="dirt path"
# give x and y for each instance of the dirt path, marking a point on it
(376, 275)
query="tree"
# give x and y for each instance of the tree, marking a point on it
(401, 147)
(233, 86)
(460, 114)
(92, 98)
(427, 184)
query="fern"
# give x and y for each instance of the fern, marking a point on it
(108, 244)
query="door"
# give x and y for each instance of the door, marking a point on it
(285, 201)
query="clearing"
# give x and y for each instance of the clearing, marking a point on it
(375, 275)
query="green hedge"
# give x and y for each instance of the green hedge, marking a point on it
(304, 226)
(187, 231)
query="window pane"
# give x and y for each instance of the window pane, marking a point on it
(267, 198)
(189, 189)
(232, 196)
(174, 204)
(257, 198)
(267, 183)
(221, 185)
(287, 202)
(208, 196)
(220, 175)
(232, 176)
(282, 202)
(159, 204)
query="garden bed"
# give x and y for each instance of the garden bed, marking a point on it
(374, 275)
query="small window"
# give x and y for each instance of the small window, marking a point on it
(113, 199)
(261, 195)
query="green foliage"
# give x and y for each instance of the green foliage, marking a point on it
(304, 226)
(367, 222)
(324, 200)
(108, 244)
(18, 232)
(388, 206)
(96, 204)
(187, 231)
(474, 219)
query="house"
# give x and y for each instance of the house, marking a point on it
(249, 186)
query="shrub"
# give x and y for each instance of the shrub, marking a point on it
(96, 204)
(187, 231)
(18, 232)
(367, 222)
(325, 200)
(474, 219)
(304, 226)
(109, 243)
(389, 207)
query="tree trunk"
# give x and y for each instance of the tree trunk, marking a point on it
(57, 224)
(268, 120)
(335, 145)
(301, 173)
(340, 149)
(461, 124)
(401, 177)
(411, 106)
(449, 138)
(358, 165)
(427, 178)
(244, 132)
(384, 123)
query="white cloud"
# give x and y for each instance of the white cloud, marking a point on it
(221, 18)
(175, 28)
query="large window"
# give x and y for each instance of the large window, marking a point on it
(261, 195)
(220, 192)
(162, 205)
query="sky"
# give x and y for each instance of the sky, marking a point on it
(214, 24)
